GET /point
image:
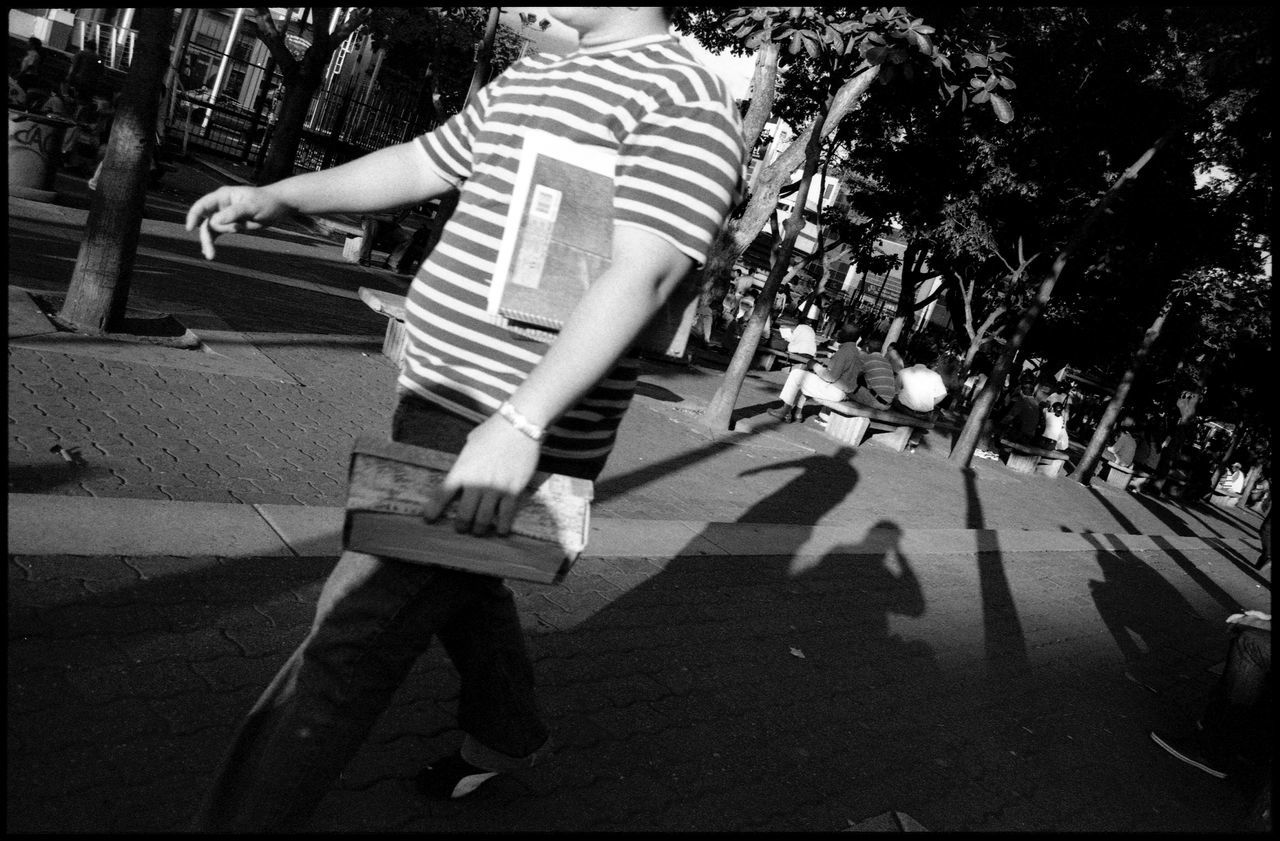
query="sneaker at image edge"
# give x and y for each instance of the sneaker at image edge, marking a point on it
(450, 778)
(1192, 751)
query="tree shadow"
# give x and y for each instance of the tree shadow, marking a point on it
(1184, 563)
(1199, 507)
(46, 478)
(1004, 641)
(657, 392)
(1147, 617)
(1161, 511)
(743, 412)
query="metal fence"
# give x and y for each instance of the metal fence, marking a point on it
(341, 124)
(113, 43)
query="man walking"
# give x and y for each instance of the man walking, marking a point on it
(506, 403)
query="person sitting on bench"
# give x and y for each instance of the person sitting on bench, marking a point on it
(831, 381)
(382, 230)
(866, 378)
(920, 388)
(1124, 448)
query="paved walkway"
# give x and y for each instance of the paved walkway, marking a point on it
(768, 631)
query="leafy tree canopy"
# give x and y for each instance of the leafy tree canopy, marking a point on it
(436, 46)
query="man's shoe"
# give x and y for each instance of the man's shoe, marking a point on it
(1192, 749)
(451, 777)
(782, 413)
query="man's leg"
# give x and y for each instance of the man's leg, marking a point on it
(374, 617)
(1233, 716)
(1236, 723)
(497, 708)
(368, 233)
(790, 389)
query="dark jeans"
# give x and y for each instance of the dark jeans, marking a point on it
(374, 618)
(1238, 715)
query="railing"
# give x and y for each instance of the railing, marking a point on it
(114, 43)
(340, 128)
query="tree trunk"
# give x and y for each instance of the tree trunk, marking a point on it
(300, 79)
(967, 442)
(1102, 433)
(719, 411)
(741, 231)
(484, 57)
(735, 238)
(99, 290)
(449, 202)
(724, 249)
(979, 336)
(299, 86)
(912, 260)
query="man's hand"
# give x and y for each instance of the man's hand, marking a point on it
(232, 209)
(494, 467)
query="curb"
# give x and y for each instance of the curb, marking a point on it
(42, 524)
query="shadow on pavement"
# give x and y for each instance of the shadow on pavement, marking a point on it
(1003, 638)
(1221, 596)
(1161, 511)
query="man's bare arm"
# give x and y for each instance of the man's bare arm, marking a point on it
(498, 460)
(388, 178)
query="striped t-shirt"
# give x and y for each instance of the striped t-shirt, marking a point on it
(677, 136)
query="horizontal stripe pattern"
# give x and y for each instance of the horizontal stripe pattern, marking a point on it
(677, 138)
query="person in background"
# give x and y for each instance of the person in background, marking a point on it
(831, 381)
(746, 306)
(85, 72)
(1124, 448)
(920, 388)
(948, 367)
(1231, 483)
(877, 376)
(1020, 421)
(704, 319)
(833, 320)
(32, 66)
(382, 230)
(729, 309)
(1053, 432)
(781, 301)
(61, 103)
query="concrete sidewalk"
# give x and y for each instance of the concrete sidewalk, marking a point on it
(768, 631)
(145, 528)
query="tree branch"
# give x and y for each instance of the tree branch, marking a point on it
(354, 19)
(273, 37)
(763, 89)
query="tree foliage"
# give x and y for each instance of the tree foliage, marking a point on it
(301, 77)
(840, 51)
(430, 53)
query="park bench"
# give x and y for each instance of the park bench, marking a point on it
(1025, 458)
(1224, 500)
(1117, 475)
(850, 422)
(766, 357)
(390, 305)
